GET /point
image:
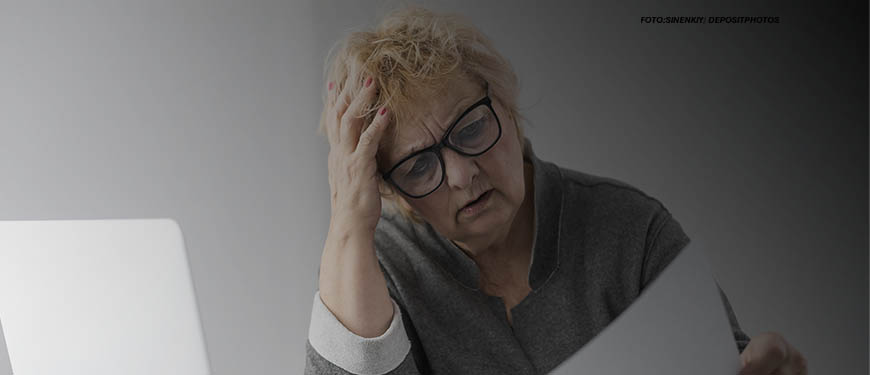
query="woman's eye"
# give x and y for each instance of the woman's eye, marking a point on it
(419, 168)
(471, 131)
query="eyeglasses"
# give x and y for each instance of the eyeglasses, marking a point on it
(476, 131)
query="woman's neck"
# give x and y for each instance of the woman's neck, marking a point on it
(508, 261)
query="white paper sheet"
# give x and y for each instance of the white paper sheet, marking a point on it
(677, 326)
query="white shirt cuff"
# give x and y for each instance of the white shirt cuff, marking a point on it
(353, 353)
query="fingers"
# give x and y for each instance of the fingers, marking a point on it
(331, 128)
(337, 103)
(371, 137)
(794, 363)
(802, 365)
(769, 353)
(342, 101)
(797, 364)
(765, 353)
(351, 121)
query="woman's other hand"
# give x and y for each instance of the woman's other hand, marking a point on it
(769, 354)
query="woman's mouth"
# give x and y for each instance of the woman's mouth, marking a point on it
(474, 207)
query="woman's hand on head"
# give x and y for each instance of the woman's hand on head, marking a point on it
(352, 285)
(769, 353)
(353, 172)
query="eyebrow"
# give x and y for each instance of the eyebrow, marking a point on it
(416, 147)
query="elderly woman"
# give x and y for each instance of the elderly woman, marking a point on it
(484, 258)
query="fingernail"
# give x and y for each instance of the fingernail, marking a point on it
(369, 82)
(383, 110)
(330, 86)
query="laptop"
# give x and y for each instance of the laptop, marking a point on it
(5, 367)
(98, 297)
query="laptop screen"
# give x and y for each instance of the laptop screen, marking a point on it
(5, 367)
(98, 297)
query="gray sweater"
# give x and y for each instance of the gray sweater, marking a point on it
(598, 243)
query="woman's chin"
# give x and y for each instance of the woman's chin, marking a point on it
(487, 223)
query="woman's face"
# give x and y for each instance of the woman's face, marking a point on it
(498, 173)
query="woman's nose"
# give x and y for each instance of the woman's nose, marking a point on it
(460, 170)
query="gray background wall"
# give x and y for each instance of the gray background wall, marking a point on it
(754, 136)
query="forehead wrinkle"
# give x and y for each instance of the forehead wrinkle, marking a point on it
(453, 116)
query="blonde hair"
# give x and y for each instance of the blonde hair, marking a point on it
(411, 56)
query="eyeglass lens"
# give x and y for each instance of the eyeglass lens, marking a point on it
(475, 132)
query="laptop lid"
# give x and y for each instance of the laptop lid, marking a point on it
(98, 297)
(5, 367)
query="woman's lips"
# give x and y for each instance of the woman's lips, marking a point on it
(476, 206)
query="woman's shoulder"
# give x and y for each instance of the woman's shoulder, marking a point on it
(593, 189)
(586, 189)
(616, 214)
(606, 206)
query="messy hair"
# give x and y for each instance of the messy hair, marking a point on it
(412, 55)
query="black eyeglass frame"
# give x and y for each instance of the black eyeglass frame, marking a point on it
(436, 148)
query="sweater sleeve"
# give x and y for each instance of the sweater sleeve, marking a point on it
(333, 349)
(665, 240)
